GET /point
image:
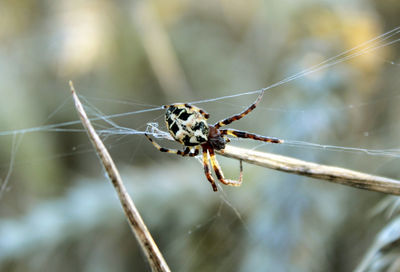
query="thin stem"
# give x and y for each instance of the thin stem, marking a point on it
(149, 247)
(314, 170)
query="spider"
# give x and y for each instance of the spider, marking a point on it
(188, 125)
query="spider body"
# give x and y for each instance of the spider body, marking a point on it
(215, 139)
(188, 125)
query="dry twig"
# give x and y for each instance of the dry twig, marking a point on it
(314, 170)
(136, 223)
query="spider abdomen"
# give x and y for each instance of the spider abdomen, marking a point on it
(187, 124)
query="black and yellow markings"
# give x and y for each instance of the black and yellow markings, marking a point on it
(180, 113)
(218, 171)
(207, 170)
(186, 141)
(239, 116)
(185, 152)
(200, 126)
(196, 151)
(184, 116)
(205, 114)
(162, 149)
(174, 116)
(174, 128)
(244, 134)
(187, 124)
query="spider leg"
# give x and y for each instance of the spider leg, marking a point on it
(185, 152)
(244, 134)
(239, 116)
(196, 151)
(220, 174)
(207, 169)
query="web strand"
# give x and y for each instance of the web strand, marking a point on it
(371, 45)
(16, 141)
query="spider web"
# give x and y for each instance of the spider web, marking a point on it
(228, 213)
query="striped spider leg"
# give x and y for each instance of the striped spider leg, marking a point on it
(239, 116)
(207, 172)
(244, 134)
(186, 152)
(220, 175)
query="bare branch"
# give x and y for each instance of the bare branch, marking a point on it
(136, 223)
(314, 170)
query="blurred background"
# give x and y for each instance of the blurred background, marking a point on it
(58, 212)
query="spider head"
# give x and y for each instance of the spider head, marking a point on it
(215, 139)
